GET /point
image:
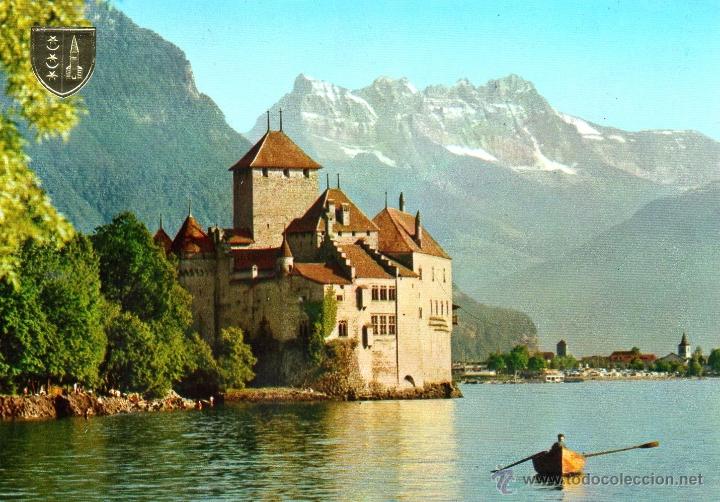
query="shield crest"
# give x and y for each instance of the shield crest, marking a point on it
(63, 59)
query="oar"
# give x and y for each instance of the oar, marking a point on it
(652, 444)
(516, 463)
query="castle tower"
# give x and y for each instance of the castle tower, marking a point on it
(274, 183)
(561, 348)
(684, 348)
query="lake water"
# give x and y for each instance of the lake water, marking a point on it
(396, 450)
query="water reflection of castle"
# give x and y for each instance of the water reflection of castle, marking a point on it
(74, 71)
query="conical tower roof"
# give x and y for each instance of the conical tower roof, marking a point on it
(276, 149)
(285, 250)
(684, 342)
(191, 238)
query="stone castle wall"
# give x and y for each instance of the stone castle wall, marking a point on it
(277, 199)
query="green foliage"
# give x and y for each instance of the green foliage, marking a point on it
(25, 210)
(234, 359)
(517, 359)
(51, 324)
(714, 359)
(563, 363)
(662, 366)
(496, 362)
(536, 363)
(133, 270)
(322, 317)
(637, 364)
(148, 336)
(694, 368)
(635, 350)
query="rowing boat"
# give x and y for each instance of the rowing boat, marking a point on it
(558, 461)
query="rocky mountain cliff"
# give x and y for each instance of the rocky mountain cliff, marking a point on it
(642, 283)
(150, 141)
(504, 180)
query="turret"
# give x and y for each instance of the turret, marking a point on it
(418, 229)
(285, 260)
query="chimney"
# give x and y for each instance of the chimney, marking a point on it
(418, 229)
(401, 206)
(281, 119)
(329, 218)
(345, 214)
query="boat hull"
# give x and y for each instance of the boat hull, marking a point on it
(558, 462)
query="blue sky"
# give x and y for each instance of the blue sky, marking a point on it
(629, 64)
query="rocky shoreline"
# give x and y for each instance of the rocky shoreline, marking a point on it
(291, 394)
(47, 407)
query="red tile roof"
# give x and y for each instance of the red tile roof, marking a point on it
(365, 265)
(627, 356)
(264, 258)
(322, 273)
(275, 149)
(191, 238)
(238, 237)
(312, 220)
(162, 239)
(397, 232)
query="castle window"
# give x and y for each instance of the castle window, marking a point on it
(391, 325)
(383, 325)
(436, 307)
(433, 274)
(342, 328)
(444, 278)
(265, 172)
(368, 233)
(306, 173)
(420, 273)
(420, 312)
(375, 324)
(286, 173)
(339, 298)
(431, 307)
(383, 293)
(391, 293)
(375, 295)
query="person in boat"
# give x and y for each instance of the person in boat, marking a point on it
(560, 443)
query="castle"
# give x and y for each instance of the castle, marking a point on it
(289, 247)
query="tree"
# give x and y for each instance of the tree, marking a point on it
(635, 350)
(536, 363)
(234, 359)
(563, 362)
(52, 322)
(714, 360)
(134, 272)
(698, 355)
(496, 362)
(637, 364)
(518, 358)
(153, 313)
(662, 366)
(694, 368)
(25, 209)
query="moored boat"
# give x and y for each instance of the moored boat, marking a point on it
(557, 462)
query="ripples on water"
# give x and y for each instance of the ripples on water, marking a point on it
(396, 450)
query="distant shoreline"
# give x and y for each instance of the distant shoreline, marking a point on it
(500, 381)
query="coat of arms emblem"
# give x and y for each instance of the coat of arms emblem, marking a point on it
(63, 59)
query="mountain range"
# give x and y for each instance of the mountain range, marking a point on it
(522, 196)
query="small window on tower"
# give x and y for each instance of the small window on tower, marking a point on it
(265, 172)
(306, 173)
(286, 173)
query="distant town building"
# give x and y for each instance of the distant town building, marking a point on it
(627, 356)
(684, 348)
(672, 358)
(561, 348)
